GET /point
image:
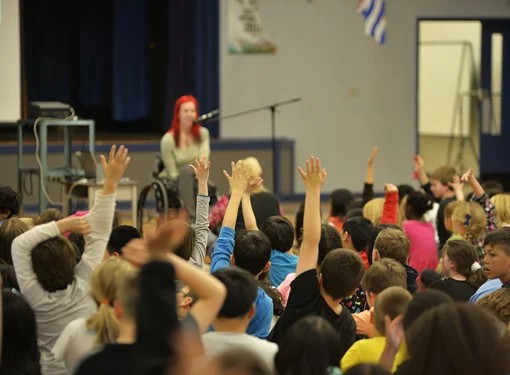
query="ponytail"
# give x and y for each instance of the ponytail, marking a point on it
(477, 278)
(104, 324)
(465, 257)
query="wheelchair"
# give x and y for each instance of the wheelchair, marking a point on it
(166, 192)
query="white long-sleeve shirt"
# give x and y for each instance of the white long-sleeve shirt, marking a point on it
(54, 311)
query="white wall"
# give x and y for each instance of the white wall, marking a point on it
(439, 69)
(322, 52)
(10, 68)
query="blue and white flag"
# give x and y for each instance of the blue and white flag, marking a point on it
(375, 21)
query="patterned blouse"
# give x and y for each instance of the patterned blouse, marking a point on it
(488, 207)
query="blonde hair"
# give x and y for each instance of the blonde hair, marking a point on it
(450, 208)
(185, 249)
(501, 204)
(472, 216)
(128, 294)
(384, 274)
(255, 170)
(103, 288)
(391, 302)
(9, 230)
(373, 211)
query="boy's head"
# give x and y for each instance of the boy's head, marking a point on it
(440, 179)
(280, 232)
(120, 237)
(340, 200)
(298, 225)
(340, 273)
(448, 213)
(127, 297)
(392, 243)
(242, 292)
(49, 215)
(371, 242)
(9, 230)
(10, 202)
(423, 302)
(330, 240)
(497, 254)
(185, 300)
(391, 302)
(53, 262)
(498, 303)
(356, 233)
(383, 275)
(252, 251)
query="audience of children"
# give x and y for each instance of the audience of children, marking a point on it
(81, 295)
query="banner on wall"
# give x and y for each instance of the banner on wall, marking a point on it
(374, 12)
(246, 32)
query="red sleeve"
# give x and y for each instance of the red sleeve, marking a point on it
(218, 211)
(390, 209)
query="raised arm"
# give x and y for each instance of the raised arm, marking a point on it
(481, 197)
(201, 227)
(313, 179)
(368, 189)
(100, 217)
(390, 209)
(458, 187)
(167, 147)
(225, 243)
(249, 217)
(209, 290)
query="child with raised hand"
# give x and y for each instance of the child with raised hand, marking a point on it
(81, 335)
(464, 273)
(339, 276)
(391, 302)
(423, 251)
(251, 250)
(437, 186)
(53, 284)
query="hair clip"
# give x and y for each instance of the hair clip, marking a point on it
(475, 267)
(468, 217)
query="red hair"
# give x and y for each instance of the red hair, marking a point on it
(175, 128)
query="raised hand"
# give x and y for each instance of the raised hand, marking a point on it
(457, 183)
(253, 185)
(467, 176)
(117, 163)
(394, 331)
(418, 162)
(372, 157)
(315, 176)
(74, 224)
(240, 178)
(201, 168)
(390, 188)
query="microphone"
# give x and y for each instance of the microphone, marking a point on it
(207, 116)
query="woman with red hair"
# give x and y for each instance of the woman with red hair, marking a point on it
(180, 145)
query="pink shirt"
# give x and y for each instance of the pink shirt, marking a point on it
(284, 287)
(423, 254)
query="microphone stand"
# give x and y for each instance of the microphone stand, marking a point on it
(272, 108)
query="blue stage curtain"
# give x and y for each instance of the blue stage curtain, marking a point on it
(193, 61)
(131, 75)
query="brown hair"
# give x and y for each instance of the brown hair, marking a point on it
(472, 216)
(391, 302)
(384, 274)
(49, 215)
(464, 255)
(498, 303)
(128, 294)
(501, 204)
(342, 271)
(53, 262)
(394, 244)
(443, 174)
(500, 237)
(9, 230)
(443, 339)
(185, 249)
(103, 289)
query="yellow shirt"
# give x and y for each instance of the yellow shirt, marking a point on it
(369, 351)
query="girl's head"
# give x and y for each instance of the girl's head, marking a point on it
(442, 342)
(422, 303)
(9, 230)
(373, 210)
(448, 213)
(417, 204)
(49, 215)
(460, 257)
(501, 204)
(185, 112)
(185, 248)
(498, 303)
(469, 220)
(20, 352)
(255, 170)
(103, 289)
(309, 347)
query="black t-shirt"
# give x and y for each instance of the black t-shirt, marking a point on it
(305, 299)
(111, 359)
(264, 206)
(460, 291)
